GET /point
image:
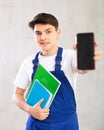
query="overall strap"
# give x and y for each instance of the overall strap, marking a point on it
(58, 59)
(35, 65)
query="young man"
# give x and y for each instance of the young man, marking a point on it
(62, 63)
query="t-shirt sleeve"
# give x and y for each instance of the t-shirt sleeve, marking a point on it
(74, 61)
(22, 78)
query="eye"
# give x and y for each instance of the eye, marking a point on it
(48, 32)
(38, 33)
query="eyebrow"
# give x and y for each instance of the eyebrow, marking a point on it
(44, 30)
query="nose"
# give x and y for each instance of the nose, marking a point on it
(43, 36)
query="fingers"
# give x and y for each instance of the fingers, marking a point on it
(97, 55)
(40, 113)
(96, 43)
(43, 114)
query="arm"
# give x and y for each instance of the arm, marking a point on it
(35, 111)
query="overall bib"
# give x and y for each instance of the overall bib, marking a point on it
(63, 108)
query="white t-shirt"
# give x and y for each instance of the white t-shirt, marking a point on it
(68, 65)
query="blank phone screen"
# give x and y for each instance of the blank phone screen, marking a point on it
(85, 51)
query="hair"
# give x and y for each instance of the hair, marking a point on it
(44, 18)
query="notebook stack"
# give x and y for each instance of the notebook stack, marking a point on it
(44, 86)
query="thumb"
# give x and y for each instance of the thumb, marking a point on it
(74, 46)
(40, 102)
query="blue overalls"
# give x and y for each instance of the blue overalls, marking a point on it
(63, 109)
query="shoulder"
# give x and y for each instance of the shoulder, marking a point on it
(27, 62)
(28, 59)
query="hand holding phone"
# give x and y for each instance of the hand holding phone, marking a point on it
(85, 51)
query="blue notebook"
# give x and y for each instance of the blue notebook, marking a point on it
(38, 92)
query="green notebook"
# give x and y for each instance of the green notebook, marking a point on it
(47, 79)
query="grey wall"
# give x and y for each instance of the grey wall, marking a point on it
(17, 42)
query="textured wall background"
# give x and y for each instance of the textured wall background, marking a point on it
(17, 42)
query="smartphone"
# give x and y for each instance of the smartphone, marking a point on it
(85, 51)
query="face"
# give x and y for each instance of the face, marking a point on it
(46, 36)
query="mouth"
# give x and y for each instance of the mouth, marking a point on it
(44, 43)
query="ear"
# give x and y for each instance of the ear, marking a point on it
(58, 33)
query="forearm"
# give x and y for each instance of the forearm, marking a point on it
(20, 101)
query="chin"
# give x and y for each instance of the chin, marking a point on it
(45, 48)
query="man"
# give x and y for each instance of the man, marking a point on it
(62, 63)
